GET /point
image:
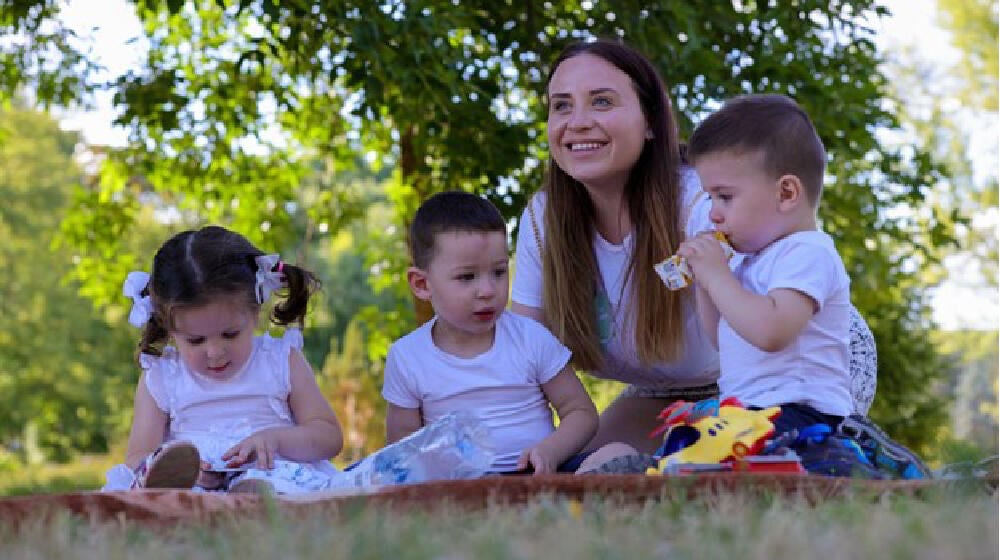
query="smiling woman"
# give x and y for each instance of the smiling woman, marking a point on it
(618, 198)
(596, 130)
(615, 202)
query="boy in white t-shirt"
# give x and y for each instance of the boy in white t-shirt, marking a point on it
(474, 355)
(781, 316)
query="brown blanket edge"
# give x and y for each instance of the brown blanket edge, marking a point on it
(171, 506)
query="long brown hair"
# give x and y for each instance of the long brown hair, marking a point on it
(196, 267)
(653, 197)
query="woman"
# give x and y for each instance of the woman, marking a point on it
(617, 200)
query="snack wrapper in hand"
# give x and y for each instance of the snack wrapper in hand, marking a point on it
(675, 272)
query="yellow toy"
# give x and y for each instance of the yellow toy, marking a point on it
(712, 432)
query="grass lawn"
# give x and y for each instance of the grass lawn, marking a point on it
(86, 473)
(954, 523)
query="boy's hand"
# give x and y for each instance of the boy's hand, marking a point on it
(262, 446)
(704, 255)
(539, 459)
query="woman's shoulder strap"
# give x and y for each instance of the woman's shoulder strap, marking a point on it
(534, 226)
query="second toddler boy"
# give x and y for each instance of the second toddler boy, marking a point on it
(473, 355)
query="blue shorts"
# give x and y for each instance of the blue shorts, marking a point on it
(797, 416)
(568, 466)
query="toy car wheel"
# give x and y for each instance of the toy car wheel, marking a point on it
(740, 450)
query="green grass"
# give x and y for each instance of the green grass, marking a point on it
(947, 524)
(85, 473)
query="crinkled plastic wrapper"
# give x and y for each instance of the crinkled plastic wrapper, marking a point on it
(675, 272)
(456, 446)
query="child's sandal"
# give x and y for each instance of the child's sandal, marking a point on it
(176, 464)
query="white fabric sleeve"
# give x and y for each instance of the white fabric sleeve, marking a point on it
(291, 339)
(153, 367)
(277, 356)
(527, 286)
(550, 354)
(397, 385)
(814, 271)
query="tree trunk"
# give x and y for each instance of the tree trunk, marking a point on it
(422, 310)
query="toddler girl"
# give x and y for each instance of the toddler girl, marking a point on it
(217, 406)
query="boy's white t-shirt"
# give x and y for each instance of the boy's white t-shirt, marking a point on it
(501, 386)
(814, 369)
(699, 363)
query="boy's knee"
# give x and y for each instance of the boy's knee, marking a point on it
(606, 453)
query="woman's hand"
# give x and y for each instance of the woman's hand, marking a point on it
(261, 446)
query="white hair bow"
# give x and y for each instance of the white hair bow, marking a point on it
(269, 275)
(142, 306)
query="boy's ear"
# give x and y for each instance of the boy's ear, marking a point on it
(417, 279)
(791, 192)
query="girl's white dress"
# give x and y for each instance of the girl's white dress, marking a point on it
(216, 415)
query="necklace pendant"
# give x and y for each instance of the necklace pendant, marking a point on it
(605, 317)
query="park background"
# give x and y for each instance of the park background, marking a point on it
(317, 127)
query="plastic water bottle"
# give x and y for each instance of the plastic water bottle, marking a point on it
(455, 446)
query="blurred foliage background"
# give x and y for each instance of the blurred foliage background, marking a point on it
(316, 127)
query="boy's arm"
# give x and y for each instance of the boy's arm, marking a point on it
(708, 315)
(577, 423)
(401, 422)
(149, 426)
(316, 435)
(770, 321)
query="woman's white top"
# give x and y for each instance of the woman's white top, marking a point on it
(699, 362)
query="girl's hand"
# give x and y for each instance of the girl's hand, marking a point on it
(539, 459)
(262, 447)
(210, 480)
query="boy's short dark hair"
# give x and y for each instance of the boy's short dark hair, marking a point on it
(450, 211)
(772, 124)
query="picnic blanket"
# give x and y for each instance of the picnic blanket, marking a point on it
(172, 506)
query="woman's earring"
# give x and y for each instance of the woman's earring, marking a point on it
(649, 134)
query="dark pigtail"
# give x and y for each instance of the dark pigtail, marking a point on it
(197, 267)
(300, 285)
(154, 335)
